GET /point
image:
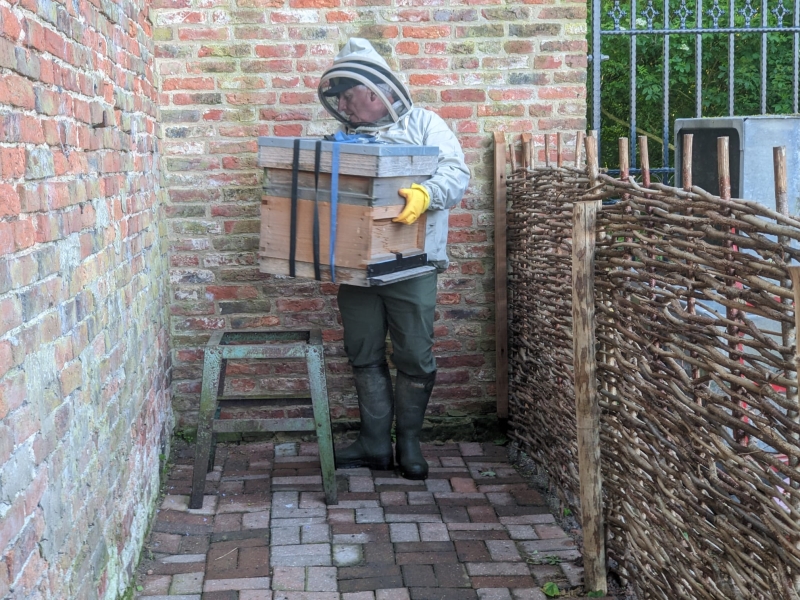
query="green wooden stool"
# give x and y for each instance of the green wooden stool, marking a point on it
(261, 345)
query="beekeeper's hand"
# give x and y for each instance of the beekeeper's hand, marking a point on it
(417, 202)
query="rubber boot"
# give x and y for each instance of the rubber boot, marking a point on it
(373, 447)
(411, 400)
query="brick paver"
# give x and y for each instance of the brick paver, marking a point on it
(474, 530)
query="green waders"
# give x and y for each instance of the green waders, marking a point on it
(411, 400)
(373, 448)
(406, 311)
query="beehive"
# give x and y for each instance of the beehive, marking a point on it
(369, 249)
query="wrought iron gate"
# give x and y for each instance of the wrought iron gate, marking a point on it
(768, 30)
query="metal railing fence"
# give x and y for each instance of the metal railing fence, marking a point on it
(635, 38)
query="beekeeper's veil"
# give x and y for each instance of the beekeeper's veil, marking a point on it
(359, 64)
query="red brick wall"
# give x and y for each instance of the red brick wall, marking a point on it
(84, 408)
(233, 70)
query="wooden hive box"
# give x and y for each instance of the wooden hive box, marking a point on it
(369, 249)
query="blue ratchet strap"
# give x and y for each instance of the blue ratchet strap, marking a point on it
(334, 205)
(337, 139)
(353, 138)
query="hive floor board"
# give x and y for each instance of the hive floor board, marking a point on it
(304, 270)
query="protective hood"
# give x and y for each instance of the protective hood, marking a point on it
(359, 64)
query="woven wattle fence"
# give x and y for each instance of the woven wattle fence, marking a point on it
(696, 376)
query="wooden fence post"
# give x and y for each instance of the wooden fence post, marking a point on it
(686, 164)
(732, 314)
(788, 334)
(578, 148)
(546, 149)
(584, 218)
(559, 142)
(644, 159)
(500, 277)
(527, 163)
(723, 168)
(686, 181)
(782, 206)
(794, 273)
(624, 160)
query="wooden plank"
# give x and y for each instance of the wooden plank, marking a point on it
(379, 190)
(387, 212)
(390, 238)
(350, 164)
(584, 218)
(309, 193)
(304, 270)
(257, 425)
(353, 234)
(500, 277)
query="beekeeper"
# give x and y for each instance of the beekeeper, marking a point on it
(361, 91)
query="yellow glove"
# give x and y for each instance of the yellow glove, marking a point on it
(417, 202)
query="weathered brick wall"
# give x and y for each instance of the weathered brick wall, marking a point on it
(232, 70)
(84, 402)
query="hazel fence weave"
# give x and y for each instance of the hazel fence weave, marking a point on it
(541, 393)
(696, 377)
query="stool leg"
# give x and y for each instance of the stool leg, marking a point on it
(212, 367)
(322, 419)
(212, 454)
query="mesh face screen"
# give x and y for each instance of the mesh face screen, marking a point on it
(391, 92)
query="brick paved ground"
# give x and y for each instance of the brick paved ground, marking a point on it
(474, 530)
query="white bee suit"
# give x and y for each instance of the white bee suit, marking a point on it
(404, 124)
